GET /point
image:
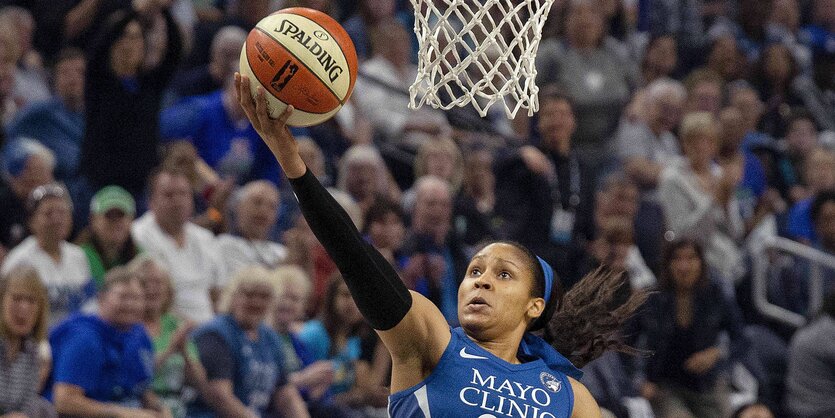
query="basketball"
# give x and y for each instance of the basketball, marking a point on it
(301, 57)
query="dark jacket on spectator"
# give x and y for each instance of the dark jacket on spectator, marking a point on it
(122, 134)
(713, 312)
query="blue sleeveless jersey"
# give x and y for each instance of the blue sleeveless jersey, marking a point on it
(470, 382)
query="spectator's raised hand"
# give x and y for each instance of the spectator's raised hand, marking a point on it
(181, 336)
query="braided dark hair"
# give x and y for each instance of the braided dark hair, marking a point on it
(584, 322)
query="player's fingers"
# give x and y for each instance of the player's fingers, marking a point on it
(246, 101)
(281, 122)
(261, 108)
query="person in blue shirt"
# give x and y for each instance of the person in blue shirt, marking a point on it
(494, 364)
(103, 363)
(58, 123)
(243, 357)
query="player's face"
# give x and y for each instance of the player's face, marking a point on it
(495, 297)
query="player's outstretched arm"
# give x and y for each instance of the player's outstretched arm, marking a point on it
(412, 328)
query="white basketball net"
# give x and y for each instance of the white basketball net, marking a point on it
(479, 52)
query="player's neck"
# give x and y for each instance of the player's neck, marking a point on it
(505, 347)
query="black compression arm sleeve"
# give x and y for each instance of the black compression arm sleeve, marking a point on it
(379, 293)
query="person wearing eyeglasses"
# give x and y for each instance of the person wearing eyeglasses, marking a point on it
(107, 242)
(27, 164)
(62, 265)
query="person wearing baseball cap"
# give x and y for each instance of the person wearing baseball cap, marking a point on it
(107, 241)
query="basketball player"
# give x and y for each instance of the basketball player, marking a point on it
(492, 366)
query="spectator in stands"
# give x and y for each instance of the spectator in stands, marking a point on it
(725, 58)
(30, 84)
(176, 363)
(293, 288)
(756, 199)
(436, 259)
(648, 144)
(339, 335)
(217, 127)
(255, 212)
(103, 361)
(385, 229)
(818, 36)
(704, 91)
(474, 215)
(746, 99)
(359, 26)
(107, 241)
(245, 14)
(363, 176)
(59, 122)
(224, 55)
(698, 199)
(783, 26)
(188, 251)
(810, 380)
(774, 78)
(27, 164)
(596, 78)
(9, 54)
(660, 58)
(682, 325)
(548, 190)
(818, 175)
(62, 265)
(386, 78)
(615, 248)
(786, 170)
(823, 216)
(242, 355)
(439, 157)
(24, 314)
(123, 100)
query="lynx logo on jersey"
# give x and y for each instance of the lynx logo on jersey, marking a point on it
(504, 397)
(550, 382)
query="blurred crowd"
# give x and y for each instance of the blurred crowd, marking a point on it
(155, 264)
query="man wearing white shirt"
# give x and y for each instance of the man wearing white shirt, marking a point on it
(256, 210)
(188, 251)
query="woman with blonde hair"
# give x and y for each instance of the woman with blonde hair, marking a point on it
(698, 196)
(24, 307)
(241, 355)
(176, 363)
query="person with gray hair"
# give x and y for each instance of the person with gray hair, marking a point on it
(242, 355)
(26, 164)
(364, 176)
(645, 144)
(254, 214)
(223, 61)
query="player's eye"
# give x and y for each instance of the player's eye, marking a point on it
(475, 271)
(505, 275)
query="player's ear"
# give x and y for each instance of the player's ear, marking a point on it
(536, 306)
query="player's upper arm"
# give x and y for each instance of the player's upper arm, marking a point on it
(423, 333)
(584, 404)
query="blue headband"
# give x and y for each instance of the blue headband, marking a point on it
(549, 277)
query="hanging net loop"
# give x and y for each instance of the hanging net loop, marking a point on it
(478, 52)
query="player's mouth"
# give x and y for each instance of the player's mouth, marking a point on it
(477, 302)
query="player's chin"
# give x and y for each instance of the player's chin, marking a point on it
(474, 320)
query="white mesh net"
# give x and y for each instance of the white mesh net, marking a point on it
(478, 52)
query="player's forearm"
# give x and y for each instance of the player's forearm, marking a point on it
(378, 291)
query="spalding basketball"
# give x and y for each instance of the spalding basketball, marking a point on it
(301, 57)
